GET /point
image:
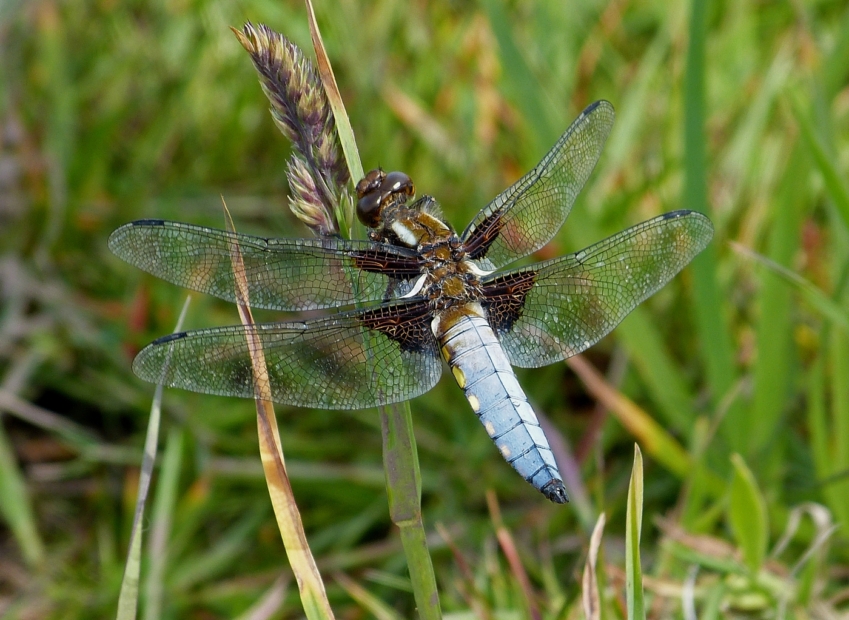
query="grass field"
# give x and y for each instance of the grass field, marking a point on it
(734, 379)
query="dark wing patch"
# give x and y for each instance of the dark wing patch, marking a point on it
(504, 298)
(282, 274)
(485, 234)
(525, 216)
(557, 308)
(406, 324)
(353, 360)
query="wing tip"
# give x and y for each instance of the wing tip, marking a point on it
(168, 338)
(601, 103)
(703, 219)
(151, 363)
(123, 229)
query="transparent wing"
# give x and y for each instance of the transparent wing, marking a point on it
(553, 310)
(353, 360)
(525, 216)
(282, 274)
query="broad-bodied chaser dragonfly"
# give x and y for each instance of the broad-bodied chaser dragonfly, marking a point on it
(419, 293)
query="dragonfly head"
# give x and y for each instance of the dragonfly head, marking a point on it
(378, 189)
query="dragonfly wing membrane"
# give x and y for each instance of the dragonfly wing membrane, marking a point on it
(555, 309)
(525, 216)
(352, 360)
(282, 274)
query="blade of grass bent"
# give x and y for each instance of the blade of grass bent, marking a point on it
(313, 595)
(814, 296)
(400, 456)
(128, 599)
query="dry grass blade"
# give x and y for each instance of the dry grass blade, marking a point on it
(468, 588)
(656, 440)
(590, 597)
(511, 552)
(343, 123)
(271, 602)
(313, 595)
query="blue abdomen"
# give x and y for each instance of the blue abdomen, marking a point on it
(481, 369)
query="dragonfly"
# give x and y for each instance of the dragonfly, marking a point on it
(416, 293)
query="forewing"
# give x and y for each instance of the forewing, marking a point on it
(553, 310)
(353, 360)
(525, 216)
(282, 274)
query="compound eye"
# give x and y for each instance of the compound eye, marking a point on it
(368, 208)
(371, 182)
(397, 183)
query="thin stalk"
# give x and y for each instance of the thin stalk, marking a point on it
(400, 456)
(313, 594)
(404, 491)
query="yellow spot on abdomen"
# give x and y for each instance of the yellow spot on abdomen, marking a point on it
(474, 402)
(490, 429)
(459, 375)
(505, 450)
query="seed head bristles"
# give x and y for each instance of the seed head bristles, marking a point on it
(317, 175)
(304, 198)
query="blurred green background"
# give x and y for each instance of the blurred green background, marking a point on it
(112, 111)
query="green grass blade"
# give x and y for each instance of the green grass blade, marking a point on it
(662, 374)
(774, 363)
(15, 504)
(710, 320)
(747, 515)
(633, 530)
(523, 88)
(164, 504)
(128, 600)
(838, 360)
(835, 69)
(834, 179)
(376, 608)
(818, 300)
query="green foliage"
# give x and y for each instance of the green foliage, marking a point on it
(747, 515)
(110, 113)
